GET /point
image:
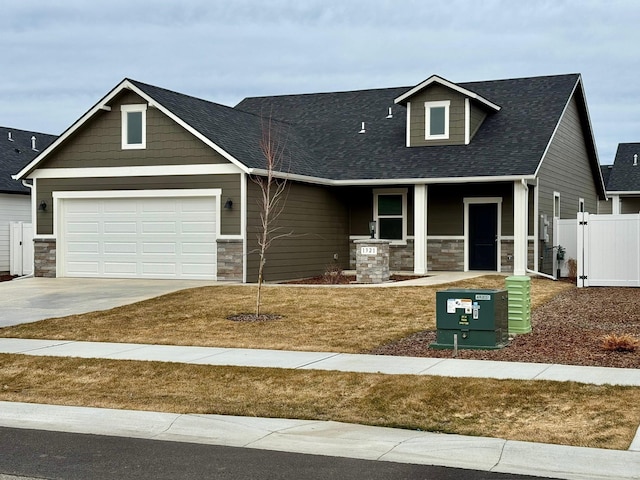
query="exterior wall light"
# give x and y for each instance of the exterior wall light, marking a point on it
(42, 206)
(372, 229)
(228, 205)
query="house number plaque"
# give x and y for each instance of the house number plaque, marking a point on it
(369, 250)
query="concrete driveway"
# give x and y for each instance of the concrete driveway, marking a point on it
(31, 299)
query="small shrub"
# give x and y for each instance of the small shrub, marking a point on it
(572, 267)
(620, 343)
(333, 274)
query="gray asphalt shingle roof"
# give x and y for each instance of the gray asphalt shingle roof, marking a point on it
(16, 154)
(509, 142)
(625, 176)
(321, 130)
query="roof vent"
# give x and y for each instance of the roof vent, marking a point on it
(362, 129)
(33, 144)
(390, 114)
(635, 160)
(10, 137)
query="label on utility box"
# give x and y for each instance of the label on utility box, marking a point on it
(483, 296)
(454, 303)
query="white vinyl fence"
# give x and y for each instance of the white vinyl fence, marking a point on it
(20, 248)
(608, 250)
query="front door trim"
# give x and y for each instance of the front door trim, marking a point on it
(477, 200)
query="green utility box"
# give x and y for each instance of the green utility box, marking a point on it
(474, 319)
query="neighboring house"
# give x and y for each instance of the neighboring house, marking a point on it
(17, 149)
(156, 184)
(622, 181)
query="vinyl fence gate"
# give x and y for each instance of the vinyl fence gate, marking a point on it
(608, 250)
(20, 248)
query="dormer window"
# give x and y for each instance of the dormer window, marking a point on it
(437, 120)
(134, 126)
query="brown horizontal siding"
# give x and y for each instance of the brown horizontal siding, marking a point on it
(315, 221)
(630, 205)
(98, 142)
(418, 116)
(230, 185)
(565, 169)
(445, 206)
(477, 116)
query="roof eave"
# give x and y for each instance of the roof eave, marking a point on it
(103, 105)
(436, 79)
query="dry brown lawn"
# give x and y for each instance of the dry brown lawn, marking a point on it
(351, 320)
(539, 411)
(321, 319)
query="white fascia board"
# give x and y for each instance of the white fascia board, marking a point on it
(137, 171)
(623, 193)
(196, 192)
(102, 106)
(189, 128)
(392, 181)
(448, 84)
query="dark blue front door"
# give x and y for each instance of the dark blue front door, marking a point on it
(483, 233)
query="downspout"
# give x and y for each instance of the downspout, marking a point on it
(533, 272)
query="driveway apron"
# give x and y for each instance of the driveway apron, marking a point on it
(31, 299)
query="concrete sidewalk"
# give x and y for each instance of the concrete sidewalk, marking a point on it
(330, 438)
(345, 362)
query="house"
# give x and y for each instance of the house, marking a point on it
(17, 149)
(457, 176)
(622, 181)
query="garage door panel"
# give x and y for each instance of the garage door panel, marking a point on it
(120, 248)
(153, 247)
(200, 227)
(82, 227)
(127, 269)
(84, 268)
(83, 247)
(120, 227)
(148, 237)
(159, 227)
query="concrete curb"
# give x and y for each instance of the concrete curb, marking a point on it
(333, 439)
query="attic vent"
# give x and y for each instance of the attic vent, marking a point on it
(390, 114)
(33, 144)
(10, 137)
(635, 160)
(362, 129)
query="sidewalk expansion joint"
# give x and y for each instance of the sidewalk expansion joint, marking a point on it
(317, 361)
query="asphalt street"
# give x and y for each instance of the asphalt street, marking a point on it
(27, 454)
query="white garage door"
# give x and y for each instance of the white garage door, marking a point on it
(139, 237)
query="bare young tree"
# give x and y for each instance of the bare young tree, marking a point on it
(272, 201)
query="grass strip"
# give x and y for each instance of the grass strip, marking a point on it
(350, 320)
(564, 413)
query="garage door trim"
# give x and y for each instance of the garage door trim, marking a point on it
(60, 197)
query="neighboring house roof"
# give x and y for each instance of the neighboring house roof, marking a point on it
(625, 174)
(15, 152)
(321, 130)
(606, 173)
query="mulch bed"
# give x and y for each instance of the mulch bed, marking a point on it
(568, 330)
(6, 278)
(343, 279)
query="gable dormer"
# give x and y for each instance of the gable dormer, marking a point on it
(440, 112)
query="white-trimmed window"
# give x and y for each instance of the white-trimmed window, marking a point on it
(437, 120)
(134, 126)
(390, 214)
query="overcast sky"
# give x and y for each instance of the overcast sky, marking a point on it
(60, 57)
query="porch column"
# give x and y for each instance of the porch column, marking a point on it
(520, 227)
(420, 229)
